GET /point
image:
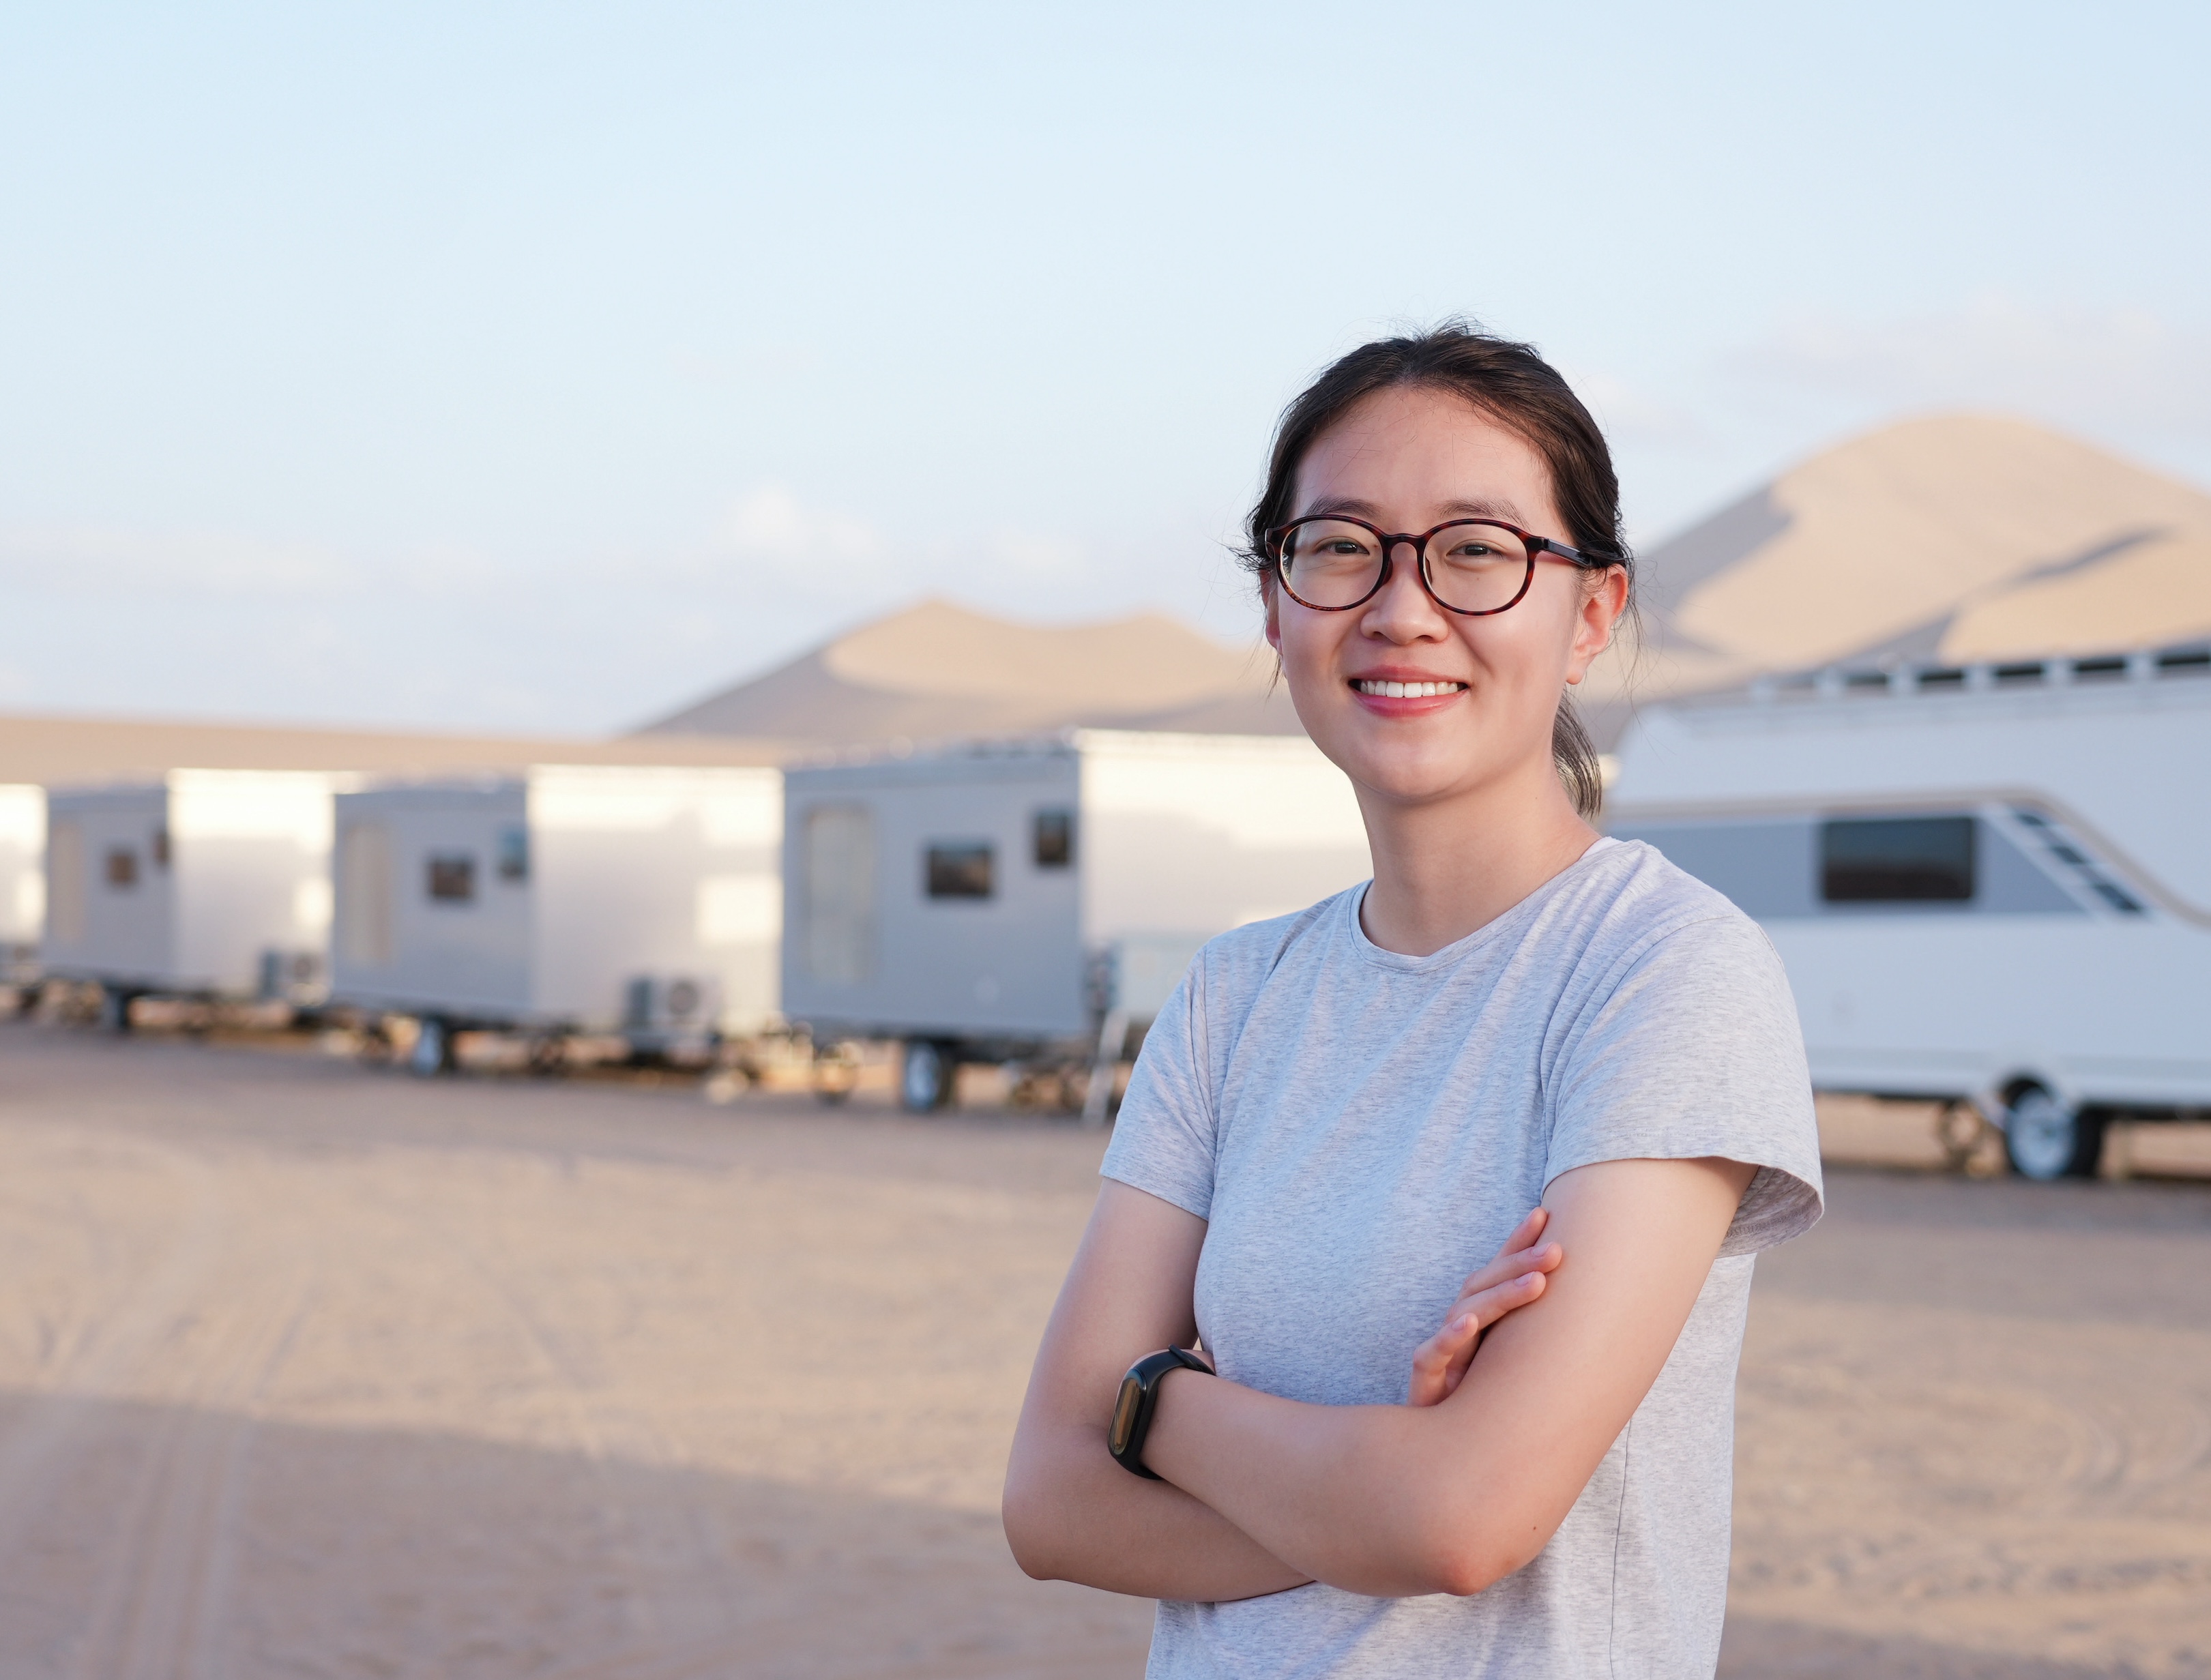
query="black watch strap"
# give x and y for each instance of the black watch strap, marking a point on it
(1132, 1407)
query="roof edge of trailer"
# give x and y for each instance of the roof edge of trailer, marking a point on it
(1067, 742)
(523, 776)
(1901, 677)
(199, 777)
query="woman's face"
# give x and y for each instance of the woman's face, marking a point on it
(1406, 460)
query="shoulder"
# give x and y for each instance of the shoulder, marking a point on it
(1684, 1042)
(1666, 972)
(1231, 968)
(1630, 906)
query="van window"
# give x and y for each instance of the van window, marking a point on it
(452, 877)
(839, 866)
(1054, 839)
(1897, 859)
(958, 869)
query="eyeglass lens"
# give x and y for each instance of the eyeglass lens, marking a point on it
(1475, 567)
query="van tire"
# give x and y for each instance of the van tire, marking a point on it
(926, 1070)
(2045, 1139)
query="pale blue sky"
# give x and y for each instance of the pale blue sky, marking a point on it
(541, 367)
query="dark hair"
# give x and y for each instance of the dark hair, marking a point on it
(1514, 386)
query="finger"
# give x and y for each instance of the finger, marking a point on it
(1474, 1316)
(1527, 1230)
(1485, 1307)
(1507, 1266)
(1491, 1304)
(1524, 1236)
(1433, 1358)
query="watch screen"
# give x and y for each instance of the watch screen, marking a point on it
(1125, 1413)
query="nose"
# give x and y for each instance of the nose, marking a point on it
(1402, 610)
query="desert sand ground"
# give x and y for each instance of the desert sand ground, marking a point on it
(307, 1370)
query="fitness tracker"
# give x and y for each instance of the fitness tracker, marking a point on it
(1132, 1409)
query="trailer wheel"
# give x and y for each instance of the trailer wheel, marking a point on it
(432, 1053)
(115, 1003)
(925, 1075)
(835, 1073)
(2045, 1139)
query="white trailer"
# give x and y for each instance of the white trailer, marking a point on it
(1991, 884)
(208, 883)
(637, 900)
(23, 880)
(993, 901)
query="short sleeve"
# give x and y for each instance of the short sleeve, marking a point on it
(1164, 1142)
(1694, 1049)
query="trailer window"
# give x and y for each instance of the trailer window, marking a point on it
(1054, 839)
(514, 854)
(122, 868)
(1897, 859)
(452, 877)
(958, 869)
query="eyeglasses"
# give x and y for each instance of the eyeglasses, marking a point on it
(1332, 563)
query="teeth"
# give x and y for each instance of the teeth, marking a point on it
(1409, 691)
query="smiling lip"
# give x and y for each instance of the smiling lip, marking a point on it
(1389, 688)
(1405, 693)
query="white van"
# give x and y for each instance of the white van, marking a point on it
(993, 901)
(207, 883)
(605, 899)
(1990, 884)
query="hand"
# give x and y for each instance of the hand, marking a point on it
(1511, 1280)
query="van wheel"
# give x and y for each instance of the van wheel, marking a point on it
(432, 1053)
(925, 1074)
(2045, 1139)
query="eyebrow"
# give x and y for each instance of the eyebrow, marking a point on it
(1462, 508)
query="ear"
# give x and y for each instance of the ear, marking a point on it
(1604, 601)
(1274, 618)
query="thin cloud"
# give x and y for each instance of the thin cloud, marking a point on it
(2120, 370)
(1631, 415)
(100, 562)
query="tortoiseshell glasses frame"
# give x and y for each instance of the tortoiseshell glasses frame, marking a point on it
(1526, 550)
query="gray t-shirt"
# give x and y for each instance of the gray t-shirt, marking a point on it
(1361, 1129)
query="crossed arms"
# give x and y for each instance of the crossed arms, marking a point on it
(1262, 1494)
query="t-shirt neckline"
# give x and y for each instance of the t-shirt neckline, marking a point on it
(1459, 949)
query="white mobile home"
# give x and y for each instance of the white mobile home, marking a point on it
(207, 882)
(989, 900)
(614, 898)
(22, 878)
(1990, 885)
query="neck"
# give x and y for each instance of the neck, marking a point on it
(1446, 866)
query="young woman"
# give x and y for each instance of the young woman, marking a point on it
(1340, 1112)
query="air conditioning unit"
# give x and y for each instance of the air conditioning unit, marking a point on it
(300, 978)
(671, 1014)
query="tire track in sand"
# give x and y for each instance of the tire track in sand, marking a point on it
(159, 1612)
(108, 1356)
